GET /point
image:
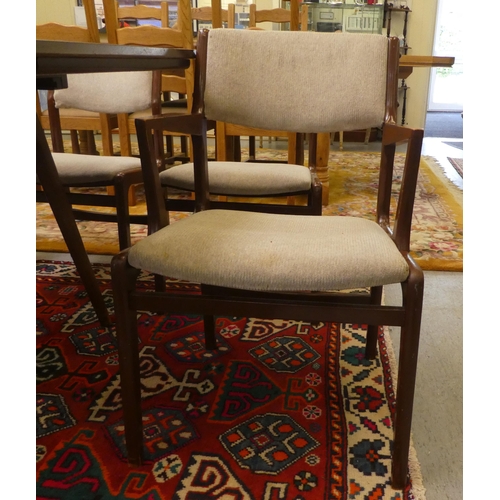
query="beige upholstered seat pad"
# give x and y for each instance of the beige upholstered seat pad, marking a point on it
(259, 251)
(242, 179)
(77, 170)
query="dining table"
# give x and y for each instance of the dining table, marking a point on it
(54, 61)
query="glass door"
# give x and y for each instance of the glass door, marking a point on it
(446, 84)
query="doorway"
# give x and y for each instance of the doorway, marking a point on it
(446, 84)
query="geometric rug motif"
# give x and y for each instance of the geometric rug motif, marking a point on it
(285, 354)
(52, 414)
(221, 427)
(191, 348)
(165, 430)
(244, 388)
(207, 477)
(437, 227)
(268, 443)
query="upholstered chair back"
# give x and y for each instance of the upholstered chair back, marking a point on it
(124, 92)
(253, 80)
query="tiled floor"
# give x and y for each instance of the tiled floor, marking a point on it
(437, 422)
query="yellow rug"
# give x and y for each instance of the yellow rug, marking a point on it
(437, 229)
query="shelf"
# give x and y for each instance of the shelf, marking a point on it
(398, 9)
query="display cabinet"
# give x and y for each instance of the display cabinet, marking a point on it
(399, 8)
(353, 17)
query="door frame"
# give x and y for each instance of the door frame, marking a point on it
(433, 105)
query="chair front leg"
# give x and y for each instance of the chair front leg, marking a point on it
(123, 281)
(413, 290)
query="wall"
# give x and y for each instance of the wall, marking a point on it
(420, 37)
(57, 11)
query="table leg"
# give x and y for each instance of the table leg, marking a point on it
(49, 179)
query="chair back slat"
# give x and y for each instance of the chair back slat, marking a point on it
(151, 36)
(145, 12)
(88, 34)
(179, 36)
(54, 31)
(276, 15)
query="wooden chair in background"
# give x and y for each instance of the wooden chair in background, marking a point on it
(210, 15)
(154, 36)
(277, 15)
(104, 93)
(81, 124)
(264, 265)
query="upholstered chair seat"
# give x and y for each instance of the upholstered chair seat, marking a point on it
(242, 179)
(84, 170)
(276, 252)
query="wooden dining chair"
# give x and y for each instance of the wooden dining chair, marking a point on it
(278, 15)
(106, 180)
(180, 82)
(82, 124)
(272, 265)
(214, 15)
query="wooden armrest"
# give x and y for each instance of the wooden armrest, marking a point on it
(392, 135)
(191, 124)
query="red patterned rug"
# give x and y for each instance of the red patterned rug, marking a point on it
(283, 410)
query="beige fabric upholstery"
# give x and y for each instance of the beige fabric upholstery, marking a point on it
(311, 90)
(258, 251)
(77, 170)
(123, 92)
(242, 179)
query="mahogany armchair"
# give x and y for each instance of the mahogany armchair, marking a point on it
(257, 185)
(273, 265)
(105, 93)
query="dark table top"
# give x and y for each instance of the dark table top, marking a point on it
(59, 58)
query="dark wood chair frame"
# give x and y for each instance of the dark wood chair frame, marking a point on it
(120, 184)
(313, 205)
(332, 307)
